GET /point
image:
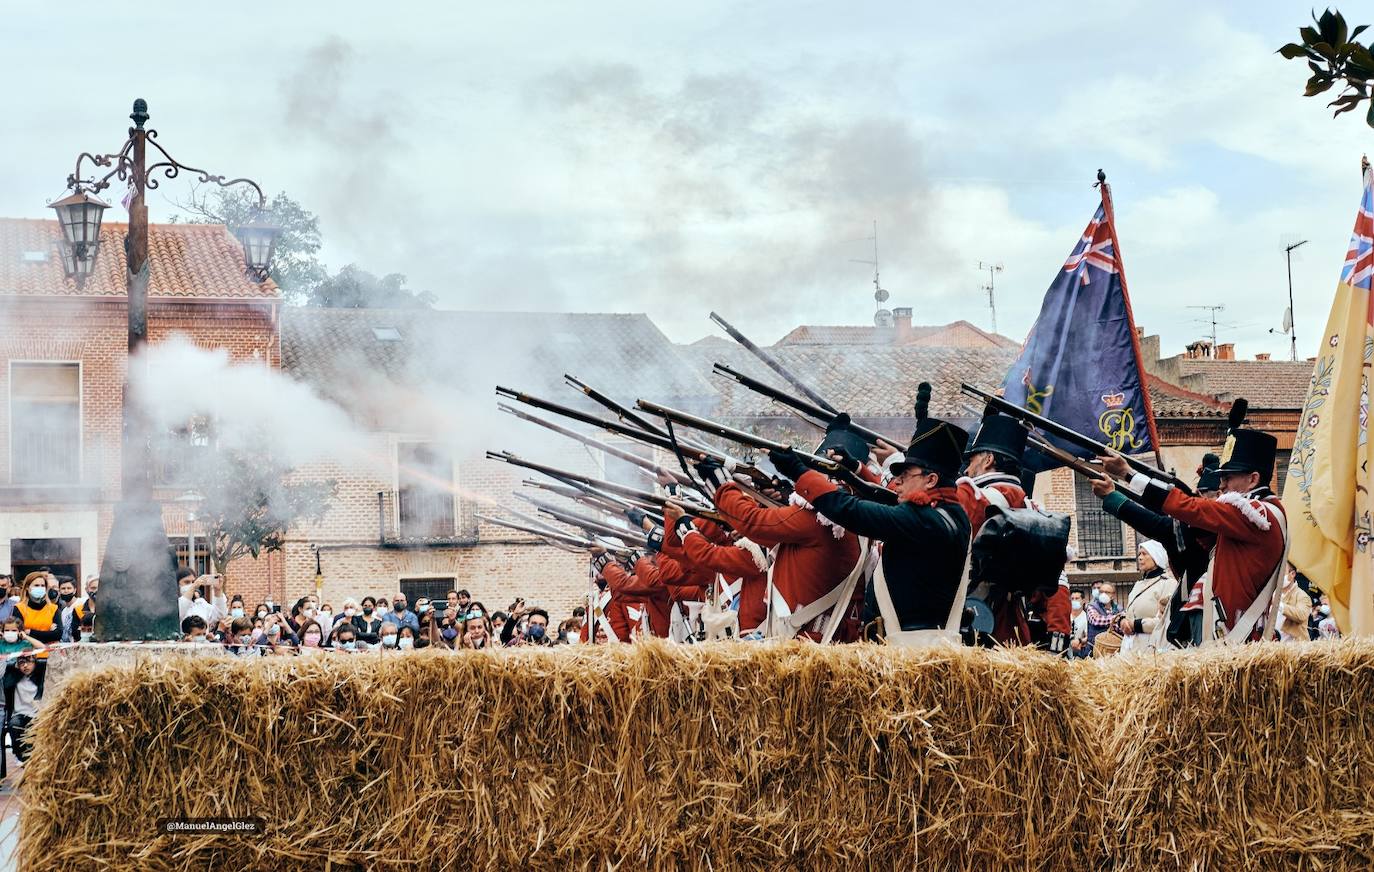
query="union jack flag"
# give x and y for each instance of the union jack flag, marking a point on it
(1094, 248)
(1359, 260)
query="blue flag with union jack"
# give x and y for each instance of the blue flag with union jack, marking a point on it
(1080, 365)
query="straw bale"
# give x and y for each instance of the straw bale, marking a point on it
(1252, 758)
(721, 756)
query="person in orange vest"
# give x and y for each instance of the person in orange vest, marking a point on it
(37, 611)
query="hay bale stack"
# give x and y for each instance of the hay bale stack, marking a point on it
(716, 757)
(1251, 758)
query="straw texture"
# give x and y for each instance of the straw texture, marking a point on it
(651, 756)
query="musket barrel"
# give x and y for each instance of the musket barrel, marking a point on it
(773, 364)
(872, 437)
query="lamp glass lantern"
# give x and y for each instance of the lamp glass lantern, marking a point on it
(79, 216)
(259, 239)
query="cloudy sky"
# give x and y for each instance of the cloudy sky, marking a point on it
(674, 158)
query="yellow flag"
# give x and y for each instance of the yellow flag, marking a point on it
(1329, 472)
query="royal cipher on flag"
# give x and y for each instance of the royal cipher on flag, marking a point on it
(1080, 366)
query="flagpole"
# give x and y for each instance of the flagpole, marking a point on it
(1130, 316)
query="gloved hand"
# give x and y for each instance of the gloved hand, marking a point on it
(713, 472)
(636, 517)
(845, 459)
(788, 463)
(684, 526)
(600, 560)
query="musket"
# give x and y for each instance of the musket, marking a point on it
(772, 364)
(1059, 455)
(591, 497)
(824, 464)
(555, 536)
(620, 411)
(577, 519)
(1054, 428)
(694, 450)
(592, 442)
(634, 495)
(872, 437)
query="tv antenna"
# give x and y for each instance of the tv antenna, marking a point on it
(993, 269)
(1288, 326)
(882, 317)
(1214, 310)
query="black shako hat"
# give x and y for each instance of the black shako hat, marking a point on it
(839, 435)
(1207, 477)
(1000, 434)
(936, 446)
(1247, 450)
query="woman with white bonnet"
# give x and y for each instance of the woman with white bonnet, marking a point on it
(1145, 619)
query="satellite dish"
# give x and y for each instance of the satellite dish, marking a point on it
(882, 318)
(881, 295)
(1288, 320)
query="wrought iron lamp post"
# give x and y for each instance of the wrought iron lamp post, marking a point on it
(138, 574)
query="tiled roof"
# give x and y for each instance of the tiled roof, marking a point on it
(1172, 401)
(187, 260)
(386, 378)
(1267, 384)
(958, 334)
(867, 381)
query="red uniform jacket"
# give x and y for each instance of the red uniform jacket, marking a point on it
(699, 578)
(1010, 626)
(654, 584)
(809, 560)
(1249, 543)
(733, 562)
(616, 616)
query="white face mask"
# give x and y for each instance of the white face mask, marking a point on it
(1325, 610)
(348, 613)
(38, 592)
(11, 635)
(406, 643)
(1078, 605)
(1104, 598)
(389, 641)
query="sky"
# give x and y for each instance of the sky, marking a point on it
(678, 158)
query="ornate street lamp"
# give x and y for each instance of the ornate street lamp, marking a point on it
(79, 216)
(138, 573)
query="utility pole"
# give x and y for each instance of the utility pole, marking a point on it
(993, 269)
(1292, 323)
(882, 318)
(1214, 310)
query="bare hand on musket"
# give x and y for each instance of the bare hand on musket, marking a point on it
(672, 513)
(664, 477)
(596, 550)
(1102, 486)
(1116, 465)
(882, 451)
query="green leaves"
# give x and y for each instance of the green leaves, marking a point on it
(1333, 56)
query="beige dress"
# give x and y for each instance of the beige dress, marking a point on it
(1149, 604)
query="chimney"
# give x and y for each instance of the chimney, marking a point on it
(1264, 356)
(1226, 351)
(901, 317)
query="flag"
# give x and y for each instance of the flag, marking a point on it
(1080, 365)
(1328, 470)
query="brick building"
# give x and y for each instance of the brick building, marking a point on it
(63, 353)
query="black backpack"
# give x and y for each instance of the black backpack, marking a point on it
(1021, 550)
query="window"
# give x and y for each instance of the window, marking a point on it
(1099, 534)
(202, 561)
(429, 588)
(425, 492)
(180, 451)
(386, 334)
(1281, 459)
(45, 423)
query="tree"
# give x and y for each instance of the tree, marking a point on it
(355, 288)
(249, 501)
(295, 266)
(1333, 56)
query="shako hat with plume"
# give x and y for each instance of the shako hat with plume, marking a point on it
(1000, 434)
(937, 446)
(1247, 450)
(1207, 477)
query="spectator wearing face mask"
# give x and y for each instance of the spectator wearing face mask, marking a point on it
(69, 611)
(38, 613)
(1326, 627)
(401, 616)
(193, 629)
(241, 639)
(14, 639)
(312, 637)
(276, 636)
(23, 685)
(236, 609)
(497, 623)
(407, 640)
(536, 627)
(444, 631)
(1295, 606)
(1078, 622)
(426, 615)
(193, 602)
(88, 604)
(389, 637)
(9, 596)
(1101, 612)
(350, 617)
(345, 638)
(369, 623)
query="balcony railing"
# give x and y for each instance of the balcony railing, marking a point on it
(420, 518)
